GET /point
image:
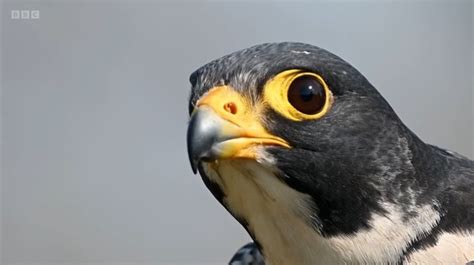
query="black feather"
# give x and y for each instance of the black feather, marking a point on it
(358, 155)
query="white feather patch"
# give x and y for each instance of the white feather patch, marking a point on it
(279, 217)
(388, 237)
(276, 213)
(451, 248)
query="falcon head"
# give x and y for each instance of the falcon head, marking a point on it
(303, 151)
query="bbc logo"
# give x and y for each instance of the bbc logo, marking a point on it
(25, 14)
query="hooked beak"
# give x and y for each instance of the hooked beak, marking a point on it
(216, 132)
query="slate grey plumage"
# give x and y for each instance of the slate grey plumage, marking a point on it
(359, 171)
(247, 255)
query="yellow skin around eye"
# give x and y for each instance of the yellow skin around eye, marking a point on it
(275, 93)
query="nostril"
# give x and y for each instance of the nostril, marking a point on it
(230, 107)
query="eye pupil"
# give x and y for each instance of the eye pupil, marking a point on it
(307, 95)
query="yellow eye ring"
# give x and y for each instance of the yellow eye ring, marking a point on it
(298, 95)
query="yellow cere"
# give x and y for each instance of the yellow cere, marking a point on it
(241, 123)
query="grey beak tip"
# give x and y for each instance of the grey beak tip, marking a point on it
(202, 134)
(191, 152)
(194, 164)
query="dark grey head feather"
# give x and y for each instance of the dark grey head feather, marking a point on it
(248, 69)
(355, 157)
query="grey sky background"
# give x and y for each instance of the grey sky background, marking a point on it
(94, 112)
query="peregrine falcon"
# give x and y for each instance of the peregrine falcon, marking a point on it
(306, 154)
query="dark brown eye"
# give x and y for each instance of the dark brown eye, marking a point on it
(307, 95)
